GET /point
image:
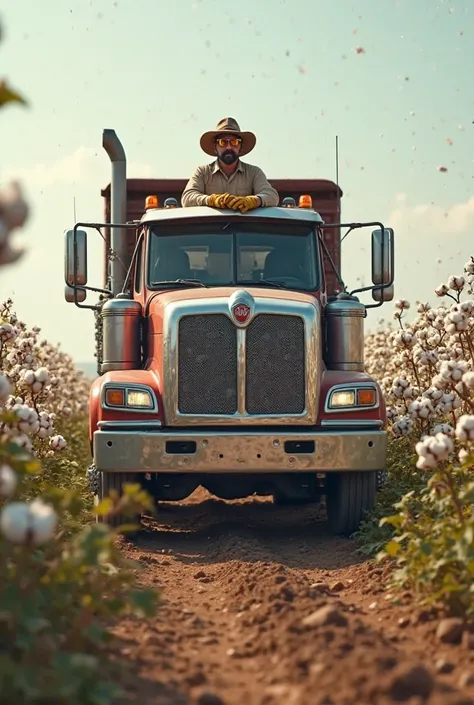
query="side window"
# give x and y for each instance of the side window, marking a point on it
(139, 267)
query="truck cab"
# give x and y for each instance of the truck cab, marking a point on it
(229, 359)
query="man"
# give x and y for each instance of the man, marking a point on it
(228, 182)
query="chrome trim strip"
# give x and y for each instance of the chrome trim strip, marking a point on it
(221, 451)
(349, 423)
(241, 370)
(350, 387)
(111, 425)
(173, 312)
(133, 387)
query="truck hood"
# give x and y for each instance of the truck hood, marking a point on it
(155, 306)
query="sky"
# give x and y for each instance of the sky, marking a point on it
(393, 79)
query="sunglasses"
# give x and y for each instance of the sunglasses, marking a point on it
(232, 141)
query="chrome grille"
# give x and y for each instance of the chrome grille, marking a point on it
(275, 365)
(207, 365)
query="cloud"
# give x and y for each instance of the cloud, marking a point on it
(432, 219)
(432, 242)
(80, 167)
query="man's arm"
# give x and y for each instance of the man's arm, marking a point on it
(194, 192)
(261, 188)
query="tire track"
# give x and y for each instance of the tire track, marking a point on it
(264, 607)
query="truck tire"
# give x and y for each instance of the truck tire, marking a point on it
(114, 481)
(349, 495)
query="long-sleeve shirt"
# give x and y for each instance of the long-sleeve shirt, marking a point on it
(246, 180)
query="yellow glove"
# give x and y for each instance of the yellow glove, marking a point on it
(243, 203)
(218, 200)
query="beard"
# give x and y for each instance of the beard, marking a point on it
(228, 157)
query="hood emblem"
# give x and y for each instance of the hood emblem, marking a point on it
(241, 312)
(241, 307)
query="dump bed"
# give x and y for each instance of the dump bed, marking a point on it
(326, 197)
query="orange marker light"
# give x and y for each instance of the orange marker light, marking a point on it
(305, 201)
(366, 397)
(115, 397)
(151, 202)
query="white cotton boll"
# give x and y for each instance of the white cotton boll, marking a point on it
(22, 411)
(8, 481)
(42, 432)
(57, 443)
(462, 455)
(465, 428)
(15, 522)
(402, 427)
(468, 379)
(469, 266)
(402, 304)
(21, 522)
(29, 377)
(441, 290)
(36, 387)
(443, 428)
(23, 441)
(432, 450)
(42, 375)
(426, 463)
(5, 388)
(433, 393)
(44, 521)
(456, 283)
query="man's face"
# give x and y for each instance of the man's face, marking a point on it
(228, 148)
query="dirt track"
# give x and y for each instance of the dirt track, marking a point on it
(238, 580)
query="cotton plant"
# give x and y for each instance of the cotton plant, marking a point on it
(426, 368)
(426, 371)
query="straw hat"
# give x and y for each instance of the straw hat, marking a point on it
(228, 126)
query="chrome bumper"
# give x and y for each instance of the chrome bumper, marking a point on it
(234, 452)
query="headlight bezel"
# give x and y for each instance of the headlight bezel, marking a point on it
(129, 388)
(355, 389)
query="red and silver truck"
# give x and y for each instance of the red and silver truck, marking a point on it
(230, 352)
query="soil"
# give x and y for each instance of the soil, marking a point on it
(262, 606)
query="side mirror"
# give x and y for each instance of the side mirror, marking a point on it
(75, 268)
(383, 260)
(69, 294)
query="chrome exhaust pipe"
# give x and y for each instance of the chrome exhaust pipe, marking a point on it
(118, 209)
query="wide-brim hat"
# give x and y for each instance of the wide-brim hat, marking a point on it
(228, 126)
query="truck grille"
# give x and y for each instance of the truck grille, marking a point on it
(207, 365)
(274, 367)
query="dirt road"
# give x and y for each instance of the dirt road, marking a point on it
(263, 607)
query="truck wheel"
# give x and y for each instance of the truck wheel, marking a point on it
(349, 495)
(114, 481)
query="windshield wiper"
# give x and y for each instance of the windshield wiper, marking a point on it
(180, 282)
(262, 282)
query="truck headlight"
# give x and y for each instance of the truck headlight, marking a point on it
(128, 397)
(352, 398)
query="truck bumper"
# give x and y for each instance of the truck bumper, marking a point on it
(220, 451)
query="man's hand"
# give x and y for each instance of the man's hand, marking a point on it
(219, 200)
(244, 203)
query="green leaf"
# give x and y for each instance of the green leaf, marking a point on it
(392, 548)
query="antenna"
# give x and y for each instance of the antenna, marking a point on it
(337, 161)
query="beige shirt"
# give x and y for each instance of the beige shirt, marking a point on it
(246, 180)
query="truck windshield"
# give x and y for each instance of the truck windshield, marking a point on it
(280, 254)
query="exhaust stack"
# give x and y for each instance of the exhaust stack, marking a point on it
(118, 208)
